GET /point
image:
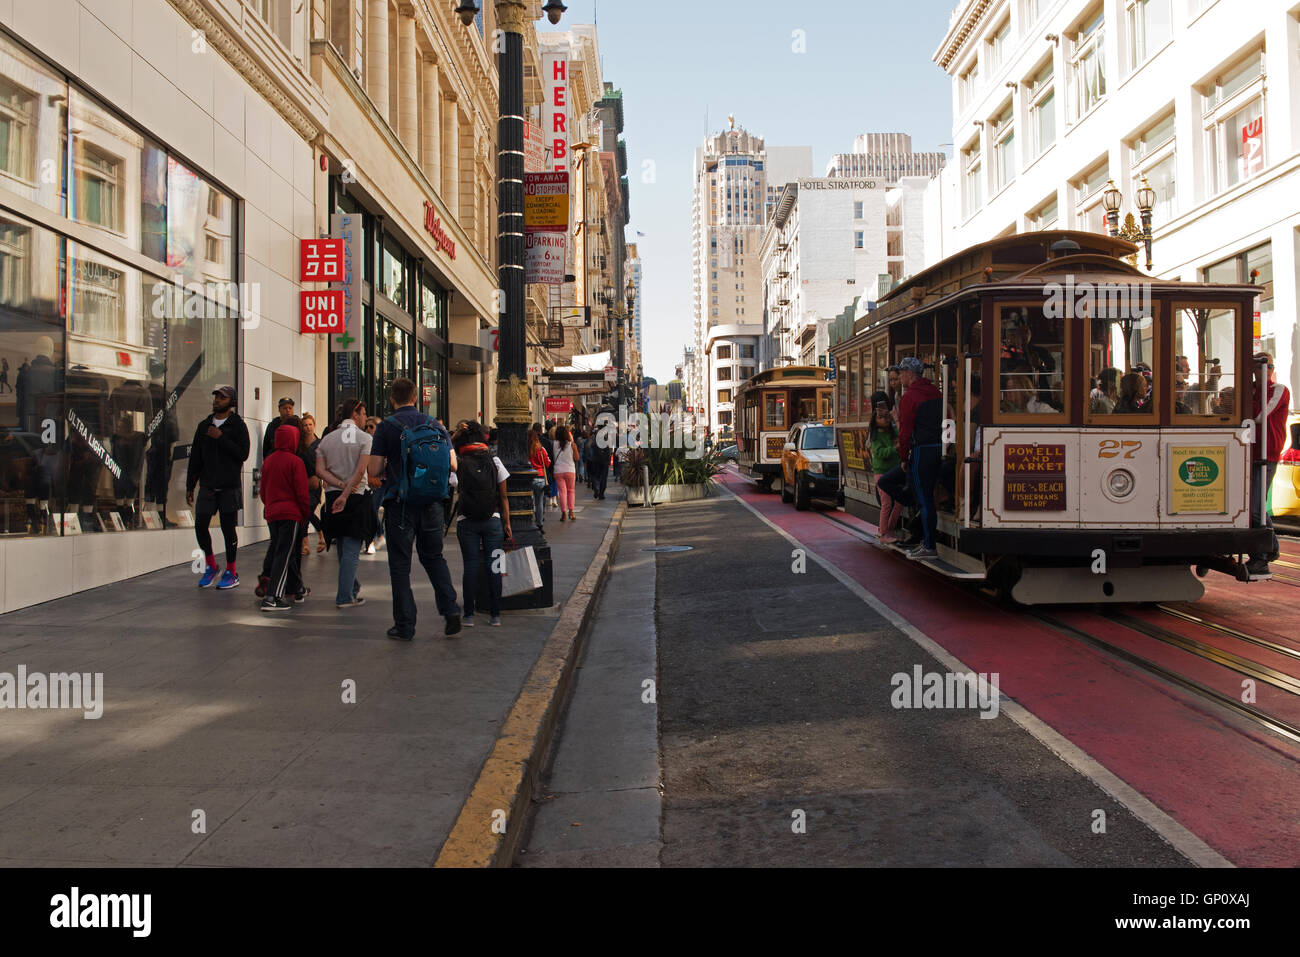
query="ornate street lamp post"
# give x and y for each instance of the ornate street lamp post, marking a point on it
(513, 416)
(1146, 201)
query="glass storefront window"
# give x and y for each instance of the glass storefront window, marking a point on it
(433, 375)
(200, 227)
(33, 461)
(392, 272)
(107, 163)
(392, 360)
(433, 306)
(33, 128)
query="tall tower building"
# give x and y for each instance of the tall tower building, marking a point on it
(634, 274)
(885, 157)
(730, 203)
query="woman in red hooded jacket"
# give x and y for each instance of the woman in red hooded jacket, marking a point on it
(286, 504)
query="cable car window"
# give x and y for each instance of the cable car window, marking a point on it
(1033, 362)
(774, 410)
(853, 385)
(1205, 359)
(1122, 352)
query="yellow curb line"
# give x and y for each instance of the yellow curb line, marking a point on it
(480, 838)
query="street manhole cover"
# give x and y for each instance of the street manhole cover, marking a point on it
(668, 548)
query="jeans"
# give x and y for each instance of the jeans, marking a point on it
(539, 500)
(482, 543)
(924, 469)
(419, 527)
(349, 550)
(599, 475)
(1261, 494)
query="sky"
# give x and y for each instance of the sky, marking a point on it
(866, 68)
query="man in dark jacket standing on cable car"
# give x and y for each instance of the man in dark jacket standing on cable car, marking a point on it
(920, 430)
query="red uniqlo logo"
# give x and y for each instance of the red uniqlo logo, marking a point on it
(321, 312)
(322, 260)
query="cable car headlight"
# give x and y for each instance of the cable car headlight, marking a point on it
(815, 467)
(1120, 483)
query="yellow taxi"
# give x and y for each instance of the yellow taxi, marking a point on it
(1286, 483)
(810, 465)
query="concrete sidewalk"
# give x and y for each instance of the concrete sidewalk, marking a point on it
(225, 738)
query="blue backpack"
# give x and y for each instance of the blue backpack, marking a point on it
(422, 476)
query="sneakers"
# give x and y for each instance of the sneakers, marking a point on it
(453, 626)
(920, 553)
(275, 604)
(354, 603)
(467, 621)
(302, 596)
(228, 580)
(262, 583)
(1258, 569)
(370, 549)
(397, 634)
(496, 621)
(209, 576)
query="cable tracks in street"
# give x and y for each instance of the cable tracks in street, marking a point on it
(1230, 632)
(1255, 670)
(1254, 715)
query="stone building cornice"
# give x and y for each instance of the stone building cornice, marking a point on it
(964, 21)
(289, 91)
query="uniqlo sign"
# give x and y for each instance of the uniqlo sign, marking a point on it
(321, 312)
(555, 110)
(321, 260)
(1252, 148)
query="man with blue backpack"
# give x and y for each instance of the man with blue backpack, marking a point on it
(415, 457)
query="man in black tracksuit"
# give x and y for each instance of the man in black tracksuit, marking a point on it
(221, 446)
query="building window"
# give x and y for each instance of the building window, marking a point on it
(1090, 214)
(1004, 149)
(972, 183)
(1088, 67)
(997, 44)
(1149, 29)
(1238, 269)
(724, 395)
(858, 239)
(1153, 156)
(746, 352)
(1234, 124)
(857, 210)
(1045, 216)
(724, 374)
(1042, 111)
(724, 352)
(968, 84)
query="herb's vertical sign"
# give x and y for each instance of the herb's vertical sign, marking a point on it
(347, 227)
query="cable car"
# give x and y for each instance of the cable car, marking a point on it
(1097, 433)
(768, 405)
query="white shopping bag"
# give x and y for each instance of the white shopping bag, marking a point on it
(521, 573)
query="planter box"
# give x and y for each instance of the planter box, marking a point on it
(662, 494)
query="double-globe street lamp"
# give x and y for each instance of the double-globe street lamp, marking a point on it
(513, 416)
(1146, 201)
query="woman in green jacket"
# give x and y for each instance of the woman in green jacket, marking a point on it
(882, 439)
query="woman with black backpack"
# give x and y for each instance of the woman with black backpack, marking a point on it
(484, 526)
